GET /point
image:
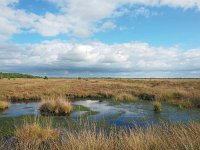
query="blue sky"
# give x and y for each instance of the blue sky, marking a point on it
(117, 38)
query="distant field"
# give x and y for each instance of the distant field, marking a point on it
(182, 92)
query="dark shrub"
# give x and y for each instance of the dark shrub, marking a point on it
(148, 97)
(178, 95)
(46, 78)
(23, 99)
(105, 94)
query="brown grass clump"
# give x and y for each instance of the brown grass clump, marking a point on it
(34, 136)
(157, 106)
(162, 137)
(56, 107)
(4, 105)
(125, 97)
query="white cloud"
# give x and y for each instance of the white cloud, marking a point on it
(81, 17)
(76, 17)
(51, 25)
(107, 25)
(8, 2)
(13, 21)
(142, 11)
(99, 58)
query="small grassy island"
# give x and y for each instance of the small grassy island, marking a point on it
(59, 107)
(4, 105)
(157, 106)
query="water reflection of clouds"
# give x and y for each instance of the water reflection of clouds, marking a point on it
(20, 109)
(122, 113)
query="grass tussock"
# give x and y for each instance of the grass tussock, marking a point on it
(157, 106)
(35, 136)
(58, 107)
(162, 137)
(125, 97)
(4, 105)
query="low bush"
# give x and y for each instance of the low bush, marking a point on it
(146, 96)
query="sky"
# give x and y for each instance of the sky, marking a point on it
(101, 38)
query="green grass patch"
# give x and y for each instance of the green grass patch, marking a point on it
(80, 108)
(86, 114)
(115, 116)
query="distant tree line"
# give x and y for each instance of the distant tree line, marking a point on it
(16, 75)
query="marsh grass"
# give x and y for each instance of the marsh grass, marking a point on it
(4, 105)
(182, 92)
(157, 106)
(89, 137)
(59, 106)
(125, 97)
(35, 136)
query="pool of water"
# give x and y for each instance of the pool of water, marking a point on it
(21, 109)
(121, 114)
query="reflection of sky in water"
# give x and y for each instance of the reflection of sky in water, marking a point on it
(123, 114)
(138, 113)
(103, 108)
(78, 113)
(20, 109)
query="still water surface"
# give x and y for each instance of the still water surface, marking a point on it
(121, 114)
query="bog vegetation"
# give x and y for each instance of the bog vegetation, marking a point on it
(4, 105)
(35, 136)
(59, 134)
(157, 106)
(59, 107)
(181, 92)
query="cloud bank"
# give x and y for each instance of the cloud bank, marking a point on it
(98, 59)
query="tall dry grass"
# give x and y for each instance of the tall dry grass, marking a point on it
(4, 105)
(157, 106)
(58, 106)
(165, 137)
(182, 92)
(35, 137)
(162, 137)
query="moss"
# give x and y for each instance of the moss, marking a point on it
(80, 108)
